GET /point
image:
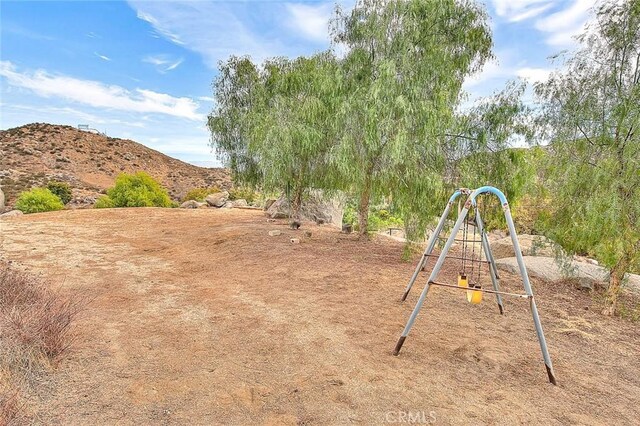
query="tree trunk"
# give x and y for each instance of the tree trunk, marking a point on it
(296, 203)
(616, 276)
(363, 210)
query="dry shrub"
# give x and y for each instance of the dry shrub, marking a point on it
(35, 332)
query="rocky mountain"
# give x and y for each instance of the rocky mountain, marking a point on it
(33, 154)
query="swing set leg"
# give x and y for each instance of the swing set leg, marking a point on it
(431, 244)
(493, 271)
(432, 277)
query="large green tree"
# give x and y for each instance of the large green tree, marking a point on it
(292, 125)
(591, 111)
(402, 73)
(236, 91)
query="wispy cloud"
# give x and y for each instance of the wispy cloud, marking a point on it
(520, 10)
(163, 63)
(18, 30)
(103, 57)
(217, 30)
(563, 25)
(98, 94)
(158, 27)
(311, 21)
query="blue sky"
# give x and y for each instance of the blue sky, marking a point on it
(143, 69)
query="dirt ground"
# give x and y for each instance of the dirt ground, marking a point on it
(200, 317)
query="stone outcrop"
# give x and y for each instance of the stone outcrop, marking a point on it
(587, 275)
(530, 245)
(316, 207)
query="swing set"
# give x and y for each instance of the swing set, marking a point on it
(472, 263)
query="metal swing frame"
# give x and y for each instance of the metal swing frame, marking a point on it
(493, 272)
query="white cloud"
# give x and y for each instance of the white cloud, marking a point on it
(98, 94)
(103, 57)
(206, 98)
(533, 75)
(163, 63)
(311, 21)
(217, 30)
(563, 25)
(520, 10)
(156, 25)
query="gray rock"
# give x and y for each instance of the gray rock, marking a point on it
(12, 213)
(217, 199)
(530, 245)
(240, 203)
(587, 275)
(191, 204)
(315, 207)
(269, 203)
(228, 205)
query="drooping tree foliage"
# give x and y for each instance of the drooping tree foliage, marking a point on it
(402, 75)
(592, 117)
(292, 125)
(235, 90)
(480, 149)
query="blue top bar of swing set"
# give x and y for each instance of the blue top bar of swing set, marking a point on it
(489, 189)
(479, 191)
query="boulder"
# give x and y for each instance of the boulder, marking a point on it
(240, 203)
(217, 199)
(12, 213)
(316, 207)
(279, 209)
(587, 275)
(191, 204)
(530, 245)
(269, 203)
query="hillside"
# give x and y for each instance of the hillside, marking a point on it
(33, 154)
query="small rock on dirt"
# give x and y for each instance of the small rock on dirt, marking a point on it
(191, 204)
(295, 240)
(275, 232)
(11, 213)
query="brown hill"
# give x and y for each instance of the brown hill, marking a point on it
(33, 154)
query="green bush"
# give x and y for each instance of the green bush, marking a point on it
(137, 190)
(38, 200)
(61, 189)
(199, 194)
(104, 202)
(247, 194)
(379, 219)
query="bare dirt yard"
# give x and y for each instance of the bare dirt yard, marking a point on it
(201, 317)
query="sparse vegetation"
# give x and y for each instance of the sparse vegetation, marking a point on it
(38, 200)
(136, 190)
(199, 194)
(61, 189)
(104, 202)
(35, 332)
(244, 193)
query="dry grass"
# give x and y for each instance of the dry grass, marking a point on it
(35, 331)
